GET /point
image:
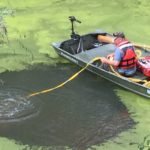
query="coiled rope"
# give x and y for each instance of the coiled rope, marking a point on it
(62, 84)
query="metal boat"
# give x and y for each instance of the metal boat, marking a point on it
(82, 49)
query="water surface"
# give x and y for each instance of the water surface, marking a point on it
(83, 113)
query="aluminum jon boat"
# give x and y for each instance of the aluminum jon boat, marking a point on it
(81, 49)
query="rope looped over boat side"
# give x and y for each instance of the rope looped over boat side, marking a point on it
(65, 82)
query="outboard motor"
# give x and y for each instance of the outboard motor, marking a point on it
(78, 43)
(73, 34)
(75, 44)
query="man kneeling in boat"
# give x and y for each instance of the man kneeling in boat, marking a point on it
(124, 59)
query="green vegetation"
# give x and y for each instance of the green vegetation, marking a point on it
(144, 144)
(33, 24)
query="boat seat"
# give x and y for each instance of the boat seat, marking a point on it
(101, 51)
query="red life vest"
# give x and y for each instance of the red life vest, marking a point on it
(129, 58)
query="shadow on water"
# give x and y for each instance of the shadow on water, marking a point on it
(83, 113)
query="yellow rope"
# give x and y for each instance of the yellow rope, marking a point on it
(129, 78)
(138, 53)
(146, 83)
(62, 84)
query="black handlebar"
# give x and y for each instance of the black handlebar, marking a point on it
(73, 34)
(72, 18)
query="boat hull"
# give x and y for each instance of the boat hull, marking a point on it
(123, 82)
(81, 51)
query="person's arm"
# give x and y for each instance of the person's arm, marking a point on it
(117, 58)
(110, 62)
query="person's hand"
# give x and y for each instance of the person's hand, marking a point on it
(110, 56)
(104, 60)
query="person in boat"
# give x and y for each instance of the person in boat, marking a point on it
(124, 58)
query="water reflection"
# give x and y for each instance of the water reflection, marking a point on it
(83, 113)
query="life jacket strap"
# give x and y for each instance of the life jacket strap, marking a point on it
(125, 45)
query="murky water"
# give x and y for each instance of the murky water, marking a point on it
(83, 113)
(15, 106)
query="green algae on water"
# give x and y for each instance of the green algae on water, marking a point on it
(33, 25)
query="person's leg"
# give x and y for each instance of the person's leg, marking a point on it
(120, 71)
(128, 72)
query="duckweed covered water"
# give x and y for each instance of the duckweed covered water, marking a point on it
(33, 25)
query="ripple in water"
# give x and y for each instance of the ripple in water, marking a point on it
(15, 106)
